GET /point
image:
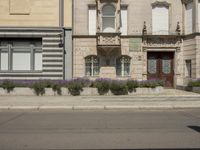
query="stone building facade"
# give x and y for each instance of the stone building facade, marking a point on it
(35, 39)
(138, 39)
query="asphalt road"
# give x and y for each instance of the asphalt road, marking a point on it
(136, 129)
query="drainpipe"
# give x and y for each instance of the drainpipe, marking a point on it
(61, 25)
(61, 13)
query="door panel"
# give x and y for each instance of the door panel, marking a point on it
(160, 66)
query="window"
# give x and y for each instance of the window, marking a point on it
(92, 66)
(124, 20)
(189, 18)
(123, 66)
(20, 54)
(160, 20)
(92, 20)
(188, 68)
(108, 18)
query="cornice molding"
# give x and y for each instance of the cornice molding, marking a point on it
(187, 1)
(160, 3)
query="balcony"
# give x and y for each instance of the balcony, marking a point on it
(108, 39)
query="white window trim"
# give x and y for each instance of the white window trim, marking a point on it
(92, 66)
(122, 64)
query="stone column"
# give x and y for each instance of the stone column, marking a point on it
(118, 13)
(183, 16)
(98, 16)
(196, 16)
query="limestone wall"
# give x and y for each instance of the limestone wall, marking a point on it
(189, 52)
(34, 13)
(138, 12)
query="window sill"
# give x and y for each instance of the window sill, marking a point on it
(123, 76)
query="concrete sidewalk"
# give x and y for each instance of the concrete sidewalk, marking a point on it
(168, 100)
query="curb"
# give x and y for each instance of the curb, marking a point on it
(96, 107)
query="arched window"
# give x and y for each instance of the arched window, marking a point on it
(92, 66)
(123, 66)
(108, 18)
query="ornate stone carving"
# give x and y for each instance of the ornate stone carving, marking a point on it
(178, 28)
(160, 3)
(144, 31)
(108, 39)
(162, 41)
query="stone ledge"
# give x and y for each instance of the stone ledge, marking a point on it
(196, 89)
(85, 92)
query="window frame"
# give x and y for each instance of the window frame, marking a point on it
(32, 49)
(92, 65)
(185, 18)
(169, 7)
(120, 66)
(188, 73)
(108, 16)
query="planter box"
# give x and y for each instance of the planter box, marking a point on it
(196, 89)
(30, 92)
(85, 92)
(156, 90)
(17, 92)
(89, 92)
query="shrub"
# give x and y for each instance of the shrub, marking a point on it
(132, 85)
(39, 88)
(118, 87)
(57, 88)
(75, 87)
(47, 83)
(8, 85)
(85, 82)
(151, 83)
(194, 83)
(103, 85)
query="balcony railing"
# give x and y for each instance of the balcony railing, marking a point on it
(108, 39)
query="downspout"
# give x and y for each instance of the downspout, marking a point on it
(61, 25)
(73, 38)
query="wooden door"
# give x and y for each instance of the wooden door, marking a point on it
(161, 66)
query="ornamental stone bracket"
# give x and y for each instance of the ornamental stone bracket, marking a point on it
(168, 42)
(108, 39)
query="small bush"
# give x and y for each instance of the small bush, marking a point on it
(119, 87)
(39, 88)
(102, 85)
(75, 87)
(8, 85)
(151, 83)
(47, 83)
(132, 85)
(57, 88)
(194, 83)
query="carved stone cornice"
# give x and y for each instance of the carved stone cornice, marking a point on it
(160, 3)
(187, 1)
(162, 41)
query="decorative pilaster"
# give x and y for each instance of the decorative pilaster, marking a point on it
(118, 15)
(196, 15)
(98, 15)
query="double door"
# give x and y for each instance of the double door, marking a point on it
(161, 66)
